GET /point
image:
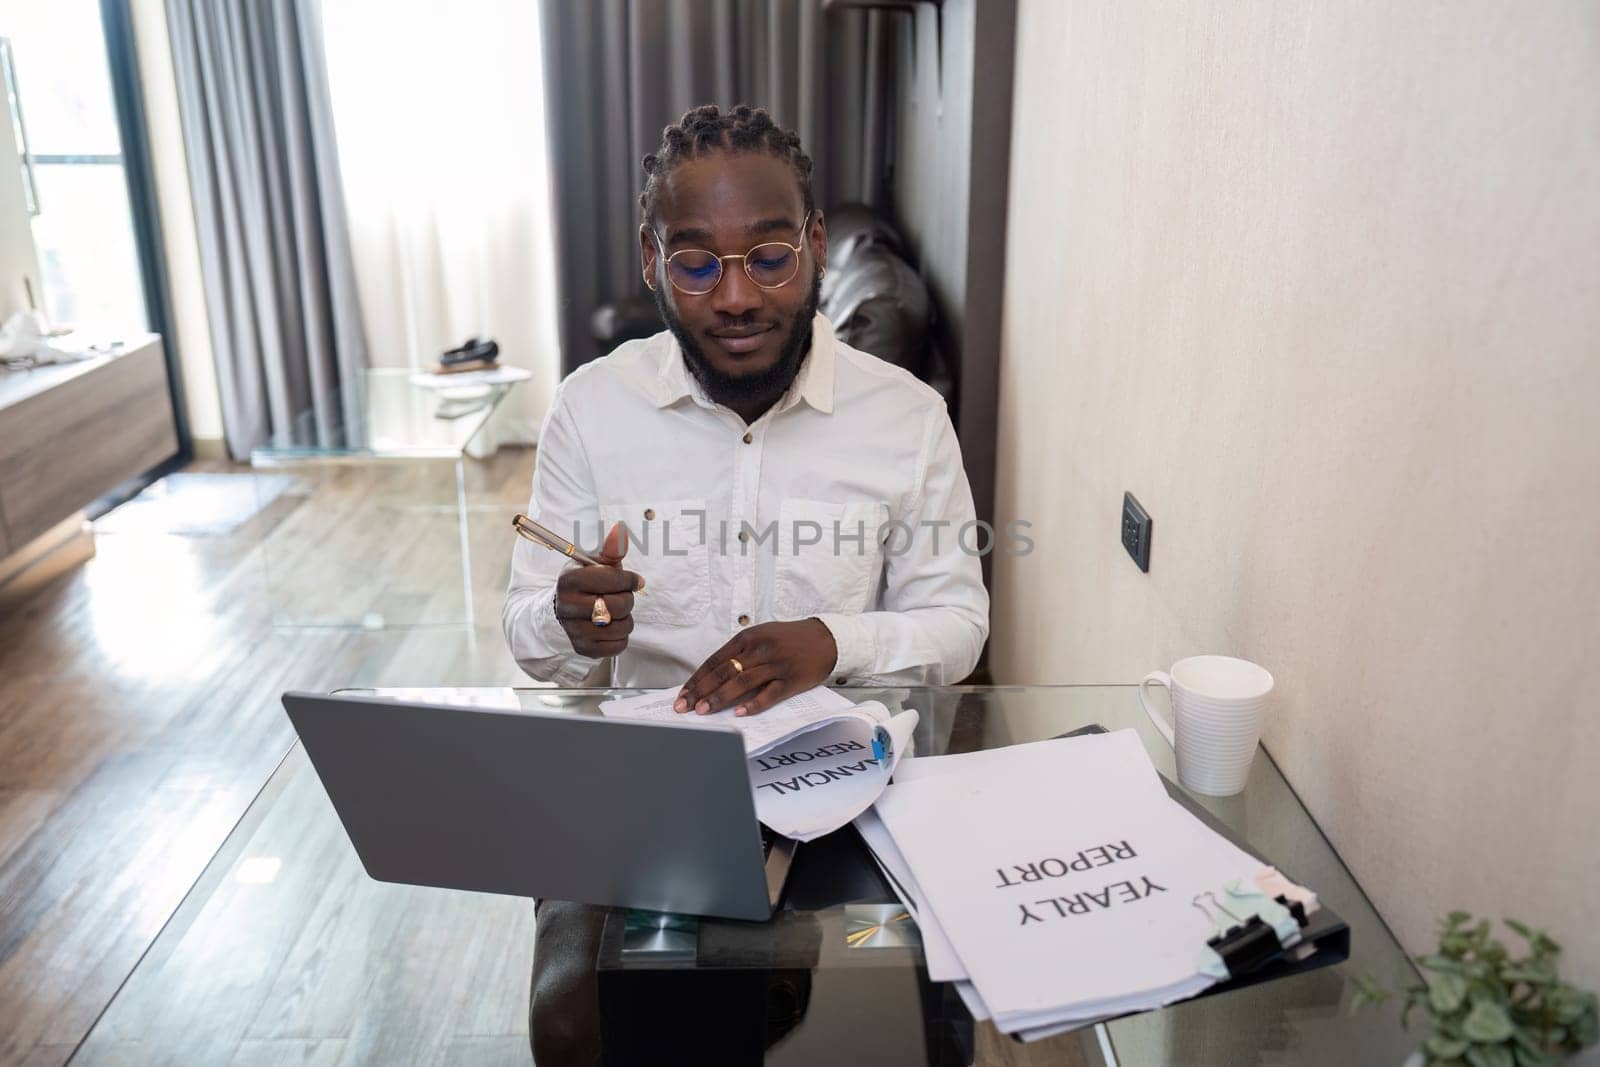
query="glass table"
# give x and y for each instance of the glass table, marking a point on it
(384, 481)
(284, 950)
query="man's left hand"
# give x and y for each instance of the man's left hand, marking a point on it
(761, 666)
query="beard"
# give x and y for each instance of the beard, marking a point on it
(731, 389)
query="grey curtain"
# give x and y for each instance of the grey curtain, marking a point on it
(617, 71)
(269, 211)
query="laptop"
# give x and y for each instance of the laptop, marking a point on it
(546, 804)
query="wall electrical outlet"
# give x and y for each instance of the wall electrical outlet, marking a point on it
(1136, 531)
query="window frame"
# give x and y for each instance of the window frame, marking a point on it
(116, 22)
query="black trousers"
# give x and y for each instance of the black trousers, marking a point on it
(725, 1016)
(564, 998)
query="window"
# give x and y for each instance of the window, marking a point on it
(83, 226)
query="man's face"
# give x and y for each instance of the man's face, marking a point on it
(742, 341)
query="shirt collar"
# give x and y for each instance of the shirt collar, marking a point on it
(814, 384)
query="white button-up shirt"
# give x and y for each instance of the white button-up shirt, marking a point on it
(845, 501)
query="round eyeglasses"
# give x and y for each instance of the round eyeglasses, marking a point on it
(696, 272)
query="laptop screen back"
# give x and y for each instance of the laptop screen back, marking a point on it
(535, 804)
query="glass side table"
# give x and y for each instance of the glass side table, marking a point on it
(383, 511)
(284, 949)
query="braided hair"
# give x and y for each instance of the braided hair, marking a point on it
(709, 128)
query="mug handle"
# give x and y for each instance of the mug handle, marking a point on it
(1161, 678)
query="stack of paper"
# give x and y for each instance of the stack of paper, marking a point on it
(1056, 882)
(816, 760)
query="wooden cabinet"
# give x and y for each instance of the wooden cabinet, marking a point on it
(72, 432)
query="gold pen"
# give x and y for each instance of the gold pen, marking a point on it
(539, 535)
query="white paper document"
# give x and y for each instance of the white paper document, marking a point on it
(814, 782)
(1119, 752)
(784, 719)
(937, 953)
(1062, 875)
(816, 760)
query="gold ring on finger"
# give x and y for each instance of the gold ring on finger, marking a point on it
(601, 615)
(738, 668)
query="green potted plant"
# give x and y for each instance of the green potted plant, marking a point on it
(1488, 1008)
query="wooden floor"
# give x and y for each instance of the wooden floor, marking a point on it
(139, 717)
(140, 714)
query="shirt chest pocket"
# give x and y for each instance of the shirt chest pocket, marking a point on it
(667, 547)
(829, 557)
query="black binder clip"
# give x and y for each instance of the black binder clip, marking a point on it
(1255, 931)
(1296, 909)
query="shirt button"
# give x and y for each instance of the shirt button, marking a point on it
(649, 513)
(744, 535)
(748, 438)
(744, 620)
(841, 680)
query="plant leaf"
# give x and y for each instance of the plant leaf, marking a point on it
(1441, 964)
(1486, 1024)
(1446, 991)
(1405, 1012)
(1586, 1031)
(1366, 991)
(1445, 1048)
(1564, 1004)
(1533, 1058)
(1534, 972)
(1522, 930)
(1491, 1056)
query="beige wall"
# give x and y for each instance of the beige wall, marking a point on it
(1320, 284)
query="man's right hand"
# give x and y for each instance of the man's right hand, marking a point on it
(577, 589)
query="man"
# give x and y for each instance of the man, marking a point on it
(796, 507)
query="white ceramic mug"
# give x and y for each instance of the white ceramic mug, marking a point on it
(1217, 703)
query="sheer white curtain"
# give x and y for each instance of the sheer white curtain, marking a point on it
(439, 113)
